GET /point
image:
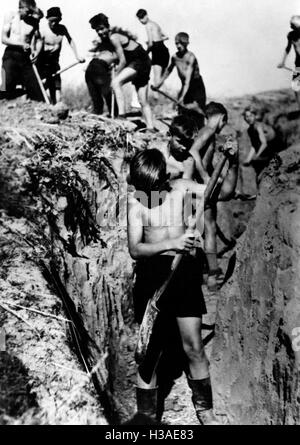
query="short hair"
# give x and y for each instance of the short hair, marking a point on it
(214, 108)
(295, 21)
(141, 13)
(54, 12)
(250, 109)
(98, 20)
(183, 37)
(30, 4)
(187, 123)
(148, 171)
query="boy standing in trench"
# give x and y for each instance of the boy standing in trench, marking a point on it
(157, 231)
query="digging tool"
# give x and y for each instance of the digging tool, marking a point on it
(152, 310)
(296, 78)
(292, 70)
(171, 98)
(45, 95)
(112, 94)
(63, 70)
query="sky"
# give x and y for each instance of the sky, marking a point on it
(238, 43)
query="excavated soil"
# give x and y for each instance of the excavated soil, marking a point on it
(43, 377)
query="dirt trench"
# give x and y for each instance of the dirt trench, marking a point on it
(64, 253)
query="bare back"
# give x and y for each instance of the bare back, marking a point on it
(154, 32)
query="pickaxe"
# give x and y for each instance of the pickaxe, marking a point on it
(171, 98)
(63, 70)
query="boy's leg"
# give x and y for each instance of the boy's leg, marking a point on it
(10, 77)
(147, 112)
(126, 75)
(199, 379)
(190, 332)
(157, 74)
(31, 84)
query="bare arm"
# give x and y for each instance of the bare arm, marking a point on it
(72, 45)
(285, 54)
(37, 46)
(199, 144)
(120, 53)
(263, 145)
(189, 167)
(263, 140)
(188, 76)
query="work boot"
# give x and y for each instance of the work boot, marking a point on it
(146, 400)
(202, 400)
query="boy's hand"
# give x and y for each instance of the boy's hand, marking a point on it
(230, 147)
(34, 56)
(183, 243)
(26, 47)
(80, 59)
(281, 65)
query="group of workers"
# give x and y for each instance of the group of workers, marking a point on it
(157, 231)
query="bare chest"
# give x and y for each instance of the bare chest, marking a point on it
(21, 30)
(51, 39)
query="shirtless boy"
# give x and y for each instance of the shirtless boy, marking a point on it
(157, 230)
(52, 34)
(294, 40)
(160, 53)
(19, 30)
(204, 153)
(263, 140)
(193, 92)
(98, 75)
(133, 66)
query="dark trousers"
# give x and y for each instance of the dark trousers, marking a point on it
(98, 79)
(17, 70)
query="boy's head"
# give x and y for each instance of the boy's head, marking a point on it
(142, 15)
(148, 171)
(26, 7)
(250, 114)
(100, 24)
(54, 17)
(215, 110)
(295, 22)
(182, 41)
(182, 130)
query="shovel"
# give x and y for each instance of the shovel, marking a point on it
(175, 101)
(63, 70)
(152, 310)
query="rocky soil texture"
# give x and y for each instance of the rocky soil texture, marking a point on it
(64, 255)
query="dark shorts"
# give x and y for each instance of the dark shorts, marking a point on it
(17, 70)
(48, 65)
(183, 296)
(139, 60)
(196, 93)
(160, 55)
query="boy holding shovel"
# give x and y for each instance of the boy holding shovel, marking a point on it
(53, 33)
(192, 93)
(157, 231)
